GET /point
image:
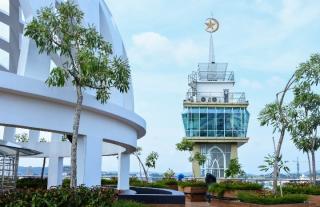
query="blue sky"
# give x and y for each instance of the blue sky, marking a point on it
(263, 42)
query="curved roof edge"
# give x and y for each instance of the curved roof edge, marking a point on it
(34, 88)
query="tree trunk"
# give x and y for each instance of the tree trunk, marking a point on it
(140, 170)
(144, 169)
(310, 171)
(76, 122)
(43, 166)
(275, 165)
(314, 171)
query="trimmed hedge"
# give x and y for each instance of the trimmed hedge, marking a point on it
(111, 181)
(32, 183)
(269, 199)
(220, 188)
(146, 184)
(170, 181)
(192, 183)
(303, 188)
(64, 197)
(38, 183)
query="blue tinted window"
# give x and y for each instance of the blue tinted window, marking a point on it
(215, 121)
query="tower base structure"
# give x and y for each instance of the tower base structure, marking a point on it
(218, 155)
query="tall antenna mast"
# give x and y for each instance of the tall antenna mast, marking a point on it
(212, 25)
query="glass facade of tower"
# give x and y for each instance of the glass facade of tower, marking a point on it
(215, 121)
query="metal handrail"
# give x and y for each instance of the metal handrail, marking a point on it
(216, 75)
(216, 97)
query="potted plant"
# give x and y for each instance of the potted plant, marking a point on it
(169, 179)
(194, 190)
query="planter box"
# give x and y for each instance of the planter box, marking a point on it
(173, 187)
(229, 203)
(180, 189)
(195, 194)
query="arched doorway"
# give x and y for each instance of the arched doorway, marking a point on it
(215, 163)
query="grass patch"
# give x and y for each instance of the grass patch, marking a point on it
(125, 203)
(267, 198)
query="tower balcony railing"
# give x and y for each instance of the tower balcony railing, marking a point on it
(216, 97)
(214, 72)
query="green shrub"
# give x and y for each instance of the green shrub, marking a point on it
(302, 188)
(268, 199)
(140, 183)
(192, 183)
(111, 181)
(170, 181)
(59, 197)
(66, 183)
(134, 179)
(32, 183)
(220, 188)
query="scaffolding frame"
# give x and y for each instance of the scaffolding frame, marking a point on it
(9, 163)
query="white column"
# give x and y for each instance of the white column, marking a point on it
(89, 161)
(34, 136)
(55, 171)
(123, 171)
(9, 134)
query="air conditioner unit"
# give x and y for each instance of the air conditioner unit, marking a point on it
(203, 99)
(214, 99)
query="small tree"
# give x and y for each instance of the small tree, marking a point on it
(276, 115)
(306, 117)
(187, 146)
(304, 146)
(234, 169)
(169, 174)
(283, 117)
(150, 161)
(88, 60)
(269, 164)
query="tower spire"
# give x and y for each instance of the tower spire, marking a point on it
(211, 50)
(212, 25)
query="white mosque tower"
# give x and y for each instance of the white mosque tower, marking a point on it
(215, 117)
(26, 102)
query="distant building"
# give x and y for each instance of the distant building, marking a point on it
(215, 117)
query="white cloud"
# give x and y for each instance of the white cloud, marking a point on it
(152, 49)
(251, 84)
(297, 13)
(275, 81)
